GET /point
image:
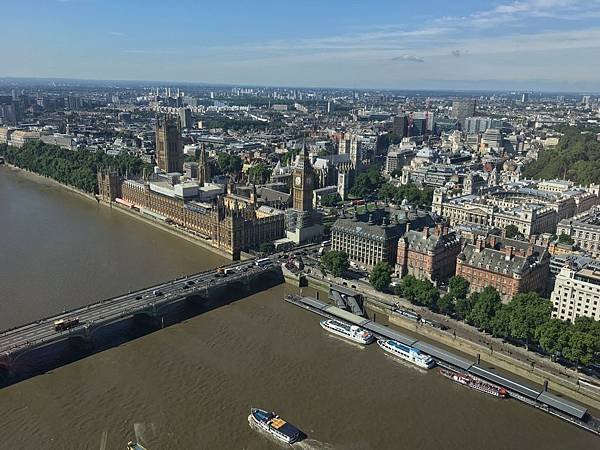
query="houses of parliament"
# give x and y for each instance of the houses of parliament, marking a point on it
(232, 223)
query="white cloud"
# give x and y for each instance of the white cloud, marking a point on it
(409, 58)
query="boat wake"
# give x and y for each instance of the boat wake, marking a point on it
(313, 444)
(304, 444)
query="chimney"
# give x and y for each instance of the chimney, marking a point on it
(479, 245)
(438, 230)
(530, 250)
(493, 241)
(426, 232)
(509, 251)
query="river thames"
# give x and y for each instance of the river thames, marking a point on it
(191, 385)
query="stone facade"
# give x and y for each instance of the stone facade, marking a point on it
(577, 293)
(232, 229)
(584, 229)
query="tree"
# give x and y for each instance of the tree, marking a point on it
(458, 287)
(463, 307)
(330, 199)
(446, 304)
(380, 277)
(554, 335)
(419, 292)
(501, 321)
(335, 262)
(512, 231)
(582, 348)
(565, 239)
(230, 164)
(259, 173)
(485, 305)
(529, 313)
(366, 183)
(266, 247)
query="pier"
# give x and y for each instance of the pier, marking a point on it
(538, 398)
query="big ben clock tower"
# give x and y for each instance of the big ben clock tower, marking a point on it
(303, 180)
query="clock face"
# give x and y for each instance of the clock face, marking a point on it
(298, 181)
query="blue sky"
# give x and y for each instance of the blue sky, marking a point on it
(431, 44)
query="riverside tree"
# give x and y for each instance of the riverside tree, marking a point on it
(335, 262)
(381, 276)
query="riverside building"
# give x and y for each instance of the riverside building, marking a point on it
(577, 292)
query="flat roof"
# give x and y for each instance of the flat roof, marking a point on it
(314, 303)
(389, 333)
(504, 382)
(444, 355)
(344, 290)
(562, 405)
(345, 315)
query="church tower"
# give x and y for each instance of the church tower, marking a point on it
(303, 179)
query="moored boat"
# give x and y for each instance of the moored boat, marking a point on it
(407, 353)
(351, 332)
(275, 425)
(474, 383)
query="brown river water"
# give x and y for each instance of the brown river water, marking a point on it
(191, 385)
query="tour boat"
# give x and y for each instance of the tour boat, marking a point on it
(474, 383)
(351, 332)
(275, 425)
(407, 353)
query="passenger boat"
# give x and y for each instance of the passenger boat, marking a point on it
(351, 332)
(407, 353)
(275, 425)
(474, 383)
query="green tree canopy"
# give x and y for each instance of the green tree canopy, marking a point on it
(259, 173)
(565, 239)
(458, 287)
(230, 164)
(512, 231)
(485, 305)
(335, 262)
(380, 276)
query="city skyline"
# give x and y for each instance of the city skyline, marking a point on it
(540, 45)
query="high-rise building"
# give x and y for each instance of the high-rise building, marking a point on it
(185, 118)
(477, 124)
(463, 109)
(525, 97)
(400, 126)
(169, 151)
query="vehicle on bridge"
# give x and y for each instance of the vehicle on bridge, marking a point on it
(65, 324)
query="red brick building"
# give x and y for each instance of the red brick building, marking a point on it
(508, 265)
(429, 254)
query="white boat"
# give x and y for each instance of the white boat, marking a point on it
(351, 332)
(407, 353)
(135, 446)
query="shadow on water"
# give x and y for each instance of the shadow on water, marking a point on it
(43, 360)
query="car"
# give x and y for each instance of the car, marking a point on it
(191, 282)
(138, 297)
(157, 292)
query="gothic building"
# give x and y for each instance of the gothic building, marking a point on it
(169, 150)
